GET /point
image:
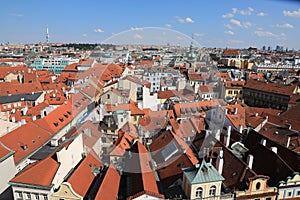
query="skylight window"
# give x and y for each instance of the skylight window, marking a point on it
(169, 151)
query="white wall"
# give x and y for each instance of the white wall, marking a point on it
(7, 172)
(68, 159)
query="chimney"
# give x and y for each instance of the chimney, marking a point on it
(218, 134)
(19, 123)
(8, 129)
(240, 129)
(13, 119)
(235, 110)
(263, 142)
(23, 121)
(250, 161)
(288, 141)
(274, 149)
(25, 109)
(33, 118)
(54, 142)
(225, 111)
(42, 113)
(267, 117)
(220, 162)
(227, 137)
(255, 114)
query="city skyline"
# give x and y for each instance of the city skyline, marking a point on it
(235, 24)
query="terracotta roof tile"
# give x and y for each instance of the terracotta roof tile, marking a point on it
(83, 177)
(25, 140)
(32, 173)
(110, 183)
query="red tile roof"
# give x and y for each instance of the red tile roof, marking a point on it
(109, 187)
(71, 68)
(4, 151)
(236, 119)
(83, 177)
(7, 88)
(198, 76)
(39, 173)
(25, 140)
(142, 174)
(57, 119)
(138, 81)
(235, 84)
(154, 120)
(231, 52)
(131, 106)
(166, 94)
(270, 87)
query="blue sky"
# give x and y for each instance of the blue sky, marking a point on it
(215, 23)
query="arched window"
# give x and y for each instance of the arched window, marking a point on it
(199, 192)
(212, 191)
(258, 185)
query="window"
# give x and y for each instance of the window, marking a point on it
(108, 96)
(289, 194)
(236, 92)
(257, 186)
(28, 196)
(298, 193)
(268, 198)
(19, 195)
(230, 92)
(37, 196)
(45, 197)
(199, 192)
(212, 191)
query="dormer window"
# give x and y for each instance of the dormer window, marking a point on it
(24, 147)
(55, 124)
(61, 119)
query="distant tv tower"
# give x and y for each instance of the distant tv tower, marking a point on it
(47, 35)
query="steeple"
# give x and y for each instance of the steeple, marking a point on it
(47, 35)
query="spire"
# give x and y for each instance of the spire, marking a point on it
(47, 35)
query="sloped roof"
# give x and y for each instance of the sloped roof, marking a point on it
(57, 119)
(83, 177)
(25, 140)
(202, 173)
(40, 173)
(109, 187)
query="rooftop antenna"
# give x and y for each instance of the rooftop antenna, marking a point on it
(47, 35)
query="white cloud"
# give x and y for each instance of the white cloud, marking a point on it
(286, 25)
(168, 25)
(138, 36)
(261, 14)
(236, 22)
(264, 34)
(136, 29)
(99, 30)
(16, 14)
(84, 35)
(229, 32)
(295, 13)
(189, 20)
(246, 12)
(186, 20)
(198, 34)
(228, 26)
(234, 10)
(239, 24)
(235, 41)
(229, 15)
(247, 24)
